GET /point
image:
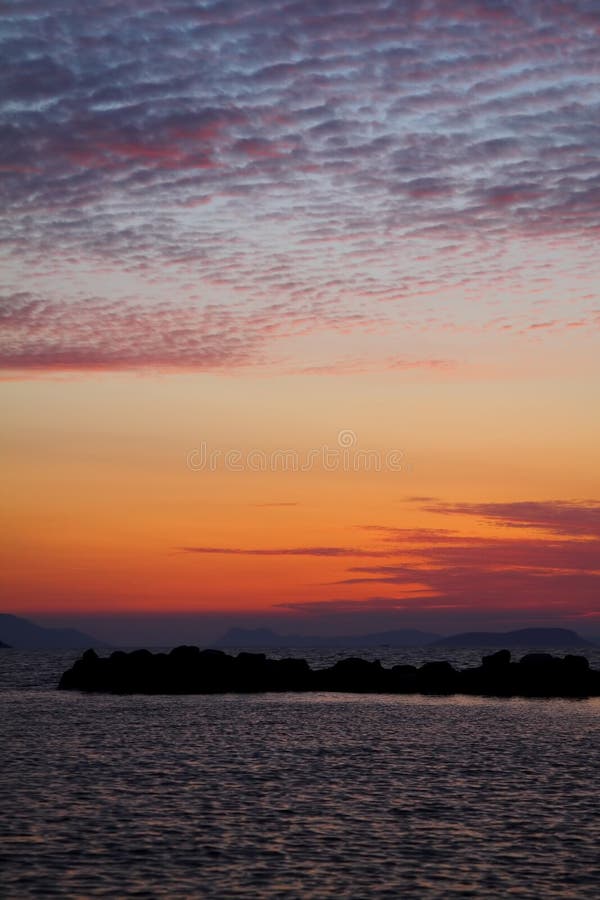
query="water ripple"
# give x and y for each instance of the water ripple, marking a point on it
(299, 796)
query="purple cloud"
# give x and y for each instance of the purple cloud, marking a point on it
(559, 574)
(287, 551)
(330, 158)
(99, 334)
(560, 517)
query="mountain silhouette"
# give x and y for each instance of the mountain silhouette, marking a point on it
(265, 637)
(524, 637)
(23, 634)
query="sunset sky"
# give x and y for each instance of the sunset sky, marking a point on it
(299, 314)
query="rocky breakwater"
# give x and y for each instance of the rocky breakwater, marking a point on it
(189, 670)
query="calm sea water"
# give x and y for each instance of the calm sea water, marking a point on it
(293, 795)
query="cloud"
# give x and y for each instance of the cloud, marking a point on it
(425, 573)
(557, 576)
(286, 551)
(390, 363)
(99, 334)
(285, 153)
(568, 518)
(519, 571)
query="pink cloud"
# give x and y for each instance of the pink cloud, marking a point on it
(96, 334)
(561, 517)
(321, 161)
(326, 552)
(558, 575)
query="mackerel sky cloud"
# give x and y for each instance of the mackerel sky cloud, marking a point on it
(413, 172)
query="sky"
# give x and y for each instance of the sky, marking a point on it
(299, 315)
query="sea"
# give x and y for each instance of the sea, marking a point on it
(294, 795)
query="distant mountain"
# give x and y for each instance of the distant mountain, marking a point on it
(4, 646)
(529, 638)
(264, 637)
(26, 635)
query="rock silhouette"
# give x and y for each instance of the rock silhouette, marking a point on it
(189, 670)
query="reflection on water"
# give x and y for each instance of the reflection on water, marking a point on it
(296, 795)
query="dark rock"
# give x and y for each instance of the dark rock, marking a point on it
(87, 674)
(498, 660)
(352, 675)
(185, 652)
(291, 674)
(538, 659)
(188, 670)
(574, 664)
(251, 672)
(403, 679)
(402, 671)
(543, 675)
(438, 677)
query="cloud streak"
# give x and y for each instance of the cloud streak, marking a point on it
(522, 571)
(561, 517)
(317, 551)
(442, 569)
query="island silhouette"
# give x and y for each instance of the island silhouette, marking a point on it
(522, 638)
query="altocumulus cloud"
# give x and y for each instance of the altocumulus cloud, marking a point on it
(336, 164)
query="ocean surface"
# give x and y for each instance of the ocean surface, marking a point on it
(287, 795)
